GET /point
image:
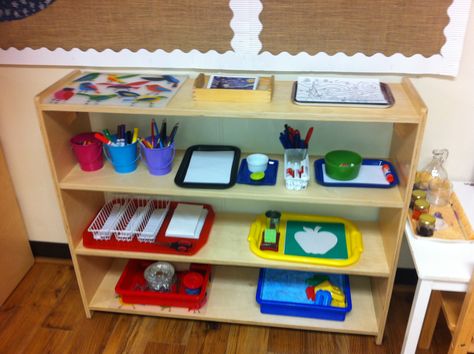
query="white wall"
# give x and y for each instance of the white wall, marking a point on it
(450, 125)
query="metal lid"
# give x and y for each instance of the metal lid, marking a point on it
(418, 194)
(427, 219)
(422, 204)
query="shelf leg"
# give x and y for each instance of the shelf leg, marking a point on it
(417, 315)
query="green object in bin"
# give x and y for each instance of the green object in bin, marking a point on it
(342, 165)
(270, 236)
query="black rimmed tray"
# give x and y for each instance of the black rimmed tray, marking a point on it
(208, 166)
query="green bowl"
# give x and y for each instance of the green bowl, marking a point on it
(342, 165)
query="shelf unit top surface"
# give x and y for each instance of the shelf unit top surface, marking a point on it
(281, 106)
(142, 182)
(228, 245)
(232, 299)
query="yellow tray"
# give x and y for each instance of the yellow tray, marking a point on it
(353, 240)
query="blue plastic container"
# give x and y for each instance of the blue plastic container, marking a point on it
(123, 158)
(283, 292)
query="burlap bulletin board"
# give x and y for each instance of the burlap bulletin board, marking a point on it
(115, 24)
(408, 27)
(349, 26)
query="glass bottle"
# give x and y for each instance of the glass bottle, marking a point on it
(434, 169)
(421, 207)
(426, 225)
(415, 195)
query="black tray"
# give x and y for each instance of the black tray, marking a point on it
(183, 168)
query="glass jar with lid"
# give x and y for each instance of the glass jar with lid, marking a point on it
(426, 225)
(421, 207)
(415, 195)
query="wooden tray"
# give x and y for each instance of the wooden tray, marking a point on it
(263, 93)
(458, 226)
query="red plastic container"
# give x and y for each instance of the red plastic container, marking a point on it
(132, 287)
(88, 151)
(162, 244)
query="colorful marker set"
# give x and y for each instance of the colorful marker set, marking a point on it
(159, 137)
(122, 138)
(291, 138)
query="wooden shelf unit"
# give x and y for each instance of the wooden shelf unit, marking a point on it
(81, 195)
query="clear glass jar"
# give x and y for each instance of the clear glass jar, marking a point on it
(416, 195)
(426, 225)
(434, 169)
(421, 207)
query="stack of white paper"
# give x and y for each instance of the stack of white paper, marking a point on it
(187, 221)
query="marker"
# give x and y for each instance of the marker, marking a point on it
(146, 143)
(103, 139)
(152, 132)
(163, 133)
(173, 134)
(308, 137)
(388, 173)
(107, 134)
(135, 135)
(157, 133)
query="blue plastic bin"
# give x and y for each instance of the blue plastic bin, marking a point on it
(283, 292)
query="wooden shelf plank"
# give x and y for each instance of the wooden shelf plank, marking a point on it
(228, 245)
(232, 299)
(281, 108)
(142, 182)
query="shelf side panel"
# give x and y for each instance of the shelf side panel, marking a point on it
(59, 128)
(80, 209)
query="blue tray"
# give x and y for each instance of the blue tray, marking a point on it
(243, 177)
(320, 177)
(283, 292)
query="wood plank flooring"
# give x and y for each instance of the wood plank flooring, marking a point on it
(45, 315)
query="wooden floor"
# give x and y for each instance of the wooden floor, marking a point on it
(45, 315)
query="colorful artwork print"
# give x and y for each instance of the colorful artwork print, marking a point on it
(233, 82)
(316, 239)
(119, 90)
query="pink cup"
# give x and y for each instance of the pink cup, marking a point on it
(88, 151)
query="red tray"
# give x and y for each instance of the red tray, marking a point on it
(163, 244)
(132, 287)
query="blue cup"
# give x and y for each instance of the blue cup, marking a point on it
(123, 158)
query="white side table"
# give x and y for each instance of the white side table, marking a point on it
(440, 265)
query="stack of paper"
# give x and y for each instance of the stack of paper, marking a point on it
(187, 221)
(329, 90)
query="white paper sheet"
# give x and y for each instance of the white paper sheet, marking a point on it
(210, 167)
(185, 221)
(370, 174)
(339, 90)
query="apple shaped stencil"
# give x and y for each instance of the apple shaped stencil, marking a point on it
(315, 239)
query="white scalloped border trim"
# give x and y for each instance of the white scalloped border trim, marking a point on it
(245, 56)
(246, 26)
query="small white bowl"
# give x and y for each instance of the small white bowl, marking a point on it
(257, 162)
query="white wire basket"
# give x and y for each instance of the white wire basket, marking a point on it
(104, 224)
(132, 218)
(126, 217)
(149, 228)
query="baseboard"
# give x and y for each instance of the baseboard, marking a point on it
(50, 249)
(404, 276)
